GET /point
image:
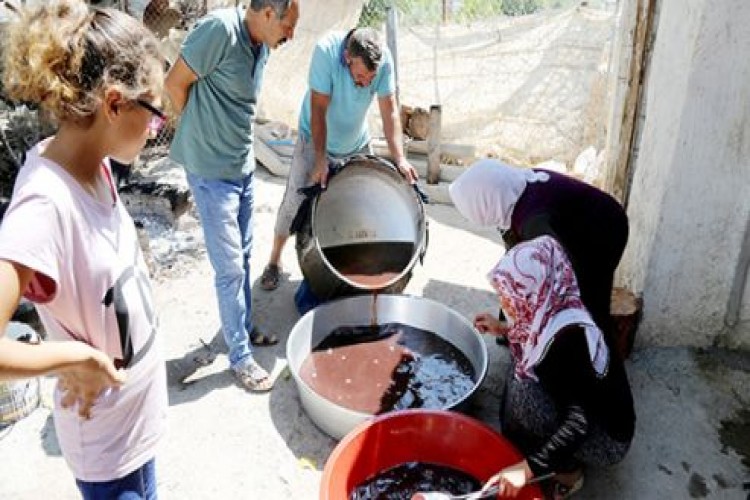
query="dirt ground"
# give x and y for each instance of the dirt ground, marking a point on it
(226, 443)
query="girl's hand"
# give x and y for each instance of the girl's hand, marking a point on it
(487, 323)
(83, 381)
(510, 480)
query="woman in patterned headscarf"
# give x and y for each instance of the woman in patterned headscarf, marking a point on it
(568, 401)
(525, 203)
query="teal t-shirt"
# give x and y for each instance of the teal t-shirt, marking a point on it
(347, 110)
(214, 137)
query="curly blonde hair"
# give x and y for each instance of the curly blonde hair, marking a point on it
(63, 55)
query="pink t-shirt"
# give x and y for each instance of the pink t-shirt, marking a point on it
(91, 284)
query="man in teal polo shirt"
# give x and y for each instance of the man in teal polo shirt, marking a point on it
(346, 72)
(215, 85)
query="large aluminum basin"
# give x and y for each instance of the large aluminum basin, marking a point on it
(418, 312)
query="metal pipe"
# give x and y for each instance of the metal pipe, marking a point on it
(392, 40)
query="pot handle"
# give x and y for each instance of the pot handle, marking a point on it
(422, 195)
(426, 241)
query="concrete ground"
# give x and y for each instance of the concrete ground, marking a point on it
(693, 429)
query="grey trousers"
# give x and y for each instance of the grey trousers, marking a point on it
(529, 417)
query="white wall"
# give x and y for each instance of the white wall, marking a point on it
(690, 198)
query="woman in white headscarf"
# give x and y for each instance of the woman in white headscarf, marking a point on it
(525, 203)
(568, 401)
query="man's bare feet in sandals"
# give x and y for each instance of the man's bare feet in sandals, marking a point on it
(252, 376)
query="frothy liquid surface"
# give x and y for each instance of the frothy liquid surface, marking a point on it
(409, 478)
(370, 265)
(376, 369)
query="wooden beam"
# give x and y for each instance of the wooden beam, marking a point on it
(465, 153)
(621, 146)
(448, 173)
(433, 145)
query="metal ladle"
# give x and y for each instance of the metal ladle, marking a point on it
(474, 495)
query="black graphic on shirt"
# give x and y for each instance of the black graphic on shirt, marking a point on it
(117, 298)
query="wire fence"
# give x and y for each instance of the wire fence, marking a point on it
(420, 12)
(523, 80)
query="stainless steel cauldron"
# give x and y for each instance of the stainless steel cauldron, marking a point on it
(418, 312)
(367, 202)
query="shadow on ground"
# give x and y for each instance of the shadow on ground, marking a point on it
(465, 300)
(447, 215)
(186, 380)
(201, 370)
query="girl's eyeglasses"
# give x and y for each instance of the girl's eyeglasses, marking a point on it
(157, 121)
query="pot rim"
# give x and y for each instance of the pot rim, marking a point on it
(416, 254)
(480, 374)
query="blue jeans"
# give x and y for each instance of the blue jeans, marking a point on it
(138, 485)
(305, 299)
(225, 208)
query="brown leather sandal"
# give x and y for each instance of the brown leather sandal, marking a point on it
(253, 377)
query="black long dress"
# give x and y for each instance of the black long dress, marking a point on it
(572, 415)
(591, 226)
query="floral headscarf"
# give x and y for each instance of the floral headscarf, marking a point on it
(539, 295)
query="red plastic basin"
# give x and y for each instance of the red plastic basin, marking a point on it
(436, 436)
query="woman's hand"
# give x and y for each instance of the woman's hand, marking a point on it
(487, 323)
(510, 480)
(81, 382)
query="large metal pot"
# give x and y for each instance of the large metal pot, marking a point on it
(417, 312)
(366, 204)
